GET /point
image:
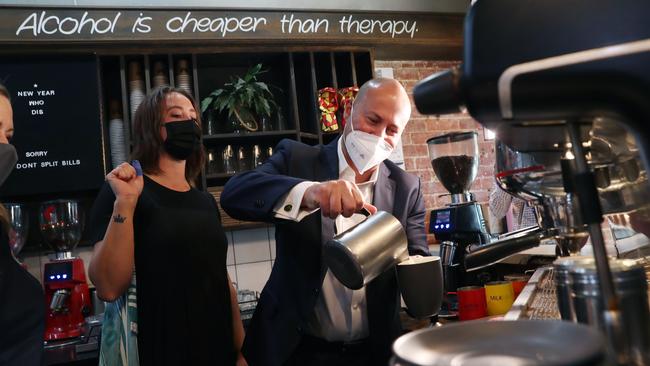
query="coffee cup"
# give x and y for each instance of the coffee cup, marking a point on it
(471, 302)
(499, 296)
(420, 282)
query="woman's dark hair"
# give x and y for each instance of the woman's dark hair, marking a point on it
(4, 92)
(147, 141)
(4, 215)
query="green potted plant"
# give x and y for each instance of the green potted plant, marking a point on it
(245, 98)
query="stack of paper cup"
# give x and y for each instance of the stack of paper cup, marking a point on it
(137, 87)
(116, 134)
(160, 78)
(183, 78)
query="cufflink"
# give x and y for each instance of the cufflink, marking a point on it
(288, 208)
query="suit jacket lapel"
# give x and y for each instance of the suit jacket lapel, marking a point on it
(327, 169)
(381, 293)
(384, 193)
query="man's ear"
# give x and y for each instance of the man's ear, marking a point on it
(347, 114)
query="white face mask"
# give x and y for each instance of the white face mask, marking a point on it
(366, 150)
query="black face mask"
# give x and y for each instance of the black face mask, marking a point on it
(183, 138)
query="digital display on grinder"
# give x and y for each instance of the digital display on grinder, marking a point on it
(58, 271)
(442, 219)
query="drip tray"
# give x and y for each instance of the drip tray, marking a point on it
(538, 299)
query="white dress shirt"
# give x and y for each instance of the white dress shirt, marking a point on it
(340, 313)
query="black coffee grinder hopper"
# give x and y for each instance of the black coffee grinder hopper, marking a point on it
(459, 224)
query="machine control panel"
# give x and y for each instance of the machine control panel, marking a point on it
(441, 221)
(459, 223)
(55, 272)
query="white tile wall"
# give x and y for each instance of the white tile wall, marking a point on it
(232, 272)
(230, 259)
(251, 245)
(86, 254)
(253, 255)
(253, 276)
(34, 265)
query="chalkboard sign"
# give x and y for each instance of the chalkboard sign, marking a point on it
(49, 24)
(57, 123)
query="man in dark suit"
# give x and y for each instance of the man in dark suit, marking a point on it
(304, 315)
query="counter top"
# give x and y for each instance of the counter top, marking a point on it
(83, 350)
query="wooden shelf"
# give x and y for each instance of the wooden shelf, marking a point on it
(219, 175)
(329, 137)
(296, 74)
(228, 222)
(309, 135)
(244, 135)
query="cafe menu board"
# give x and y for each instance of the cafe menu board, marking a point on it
(57, 124)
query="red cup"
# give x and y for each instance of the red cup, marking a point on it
(518, 286)
(518, 281)
(471, 302)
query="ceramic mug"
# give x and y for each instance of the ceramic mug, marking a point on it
(499, 296)
(420, 282)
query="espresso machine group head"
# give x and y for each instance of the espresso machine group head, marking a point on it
(67, 297)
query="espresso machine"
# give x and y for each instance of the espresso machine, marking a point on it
(455, 160)
(560, 82)
(67, 297)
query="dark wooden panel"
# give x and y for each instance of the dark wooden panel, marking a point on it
(323, 68)
(35, 24)
(363, 67)
(345, 73)
(228, 222)
(305, 92)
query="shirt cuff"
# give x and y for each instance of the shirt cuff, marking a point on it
(288, 206)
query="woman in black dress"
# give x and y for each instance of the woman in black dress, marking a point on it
(161, 226)
(22, 311)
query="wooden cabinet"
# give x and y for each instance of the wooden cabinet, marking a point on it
(296, 78)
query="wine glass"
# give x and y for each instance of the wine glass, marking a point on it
(228, 158)
(258, 159)
(19, 226)
(243, 162)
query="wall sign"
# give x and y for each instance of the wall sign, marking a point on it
(74, 24)
(57, 125)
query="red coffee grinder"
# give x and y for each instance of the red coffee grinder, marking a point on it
(67, 298)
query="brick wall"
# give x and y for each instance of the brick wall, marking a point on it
(420, 128)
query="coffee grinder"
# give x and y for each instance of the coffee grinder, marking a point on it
(67, 296)
(455, 160)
